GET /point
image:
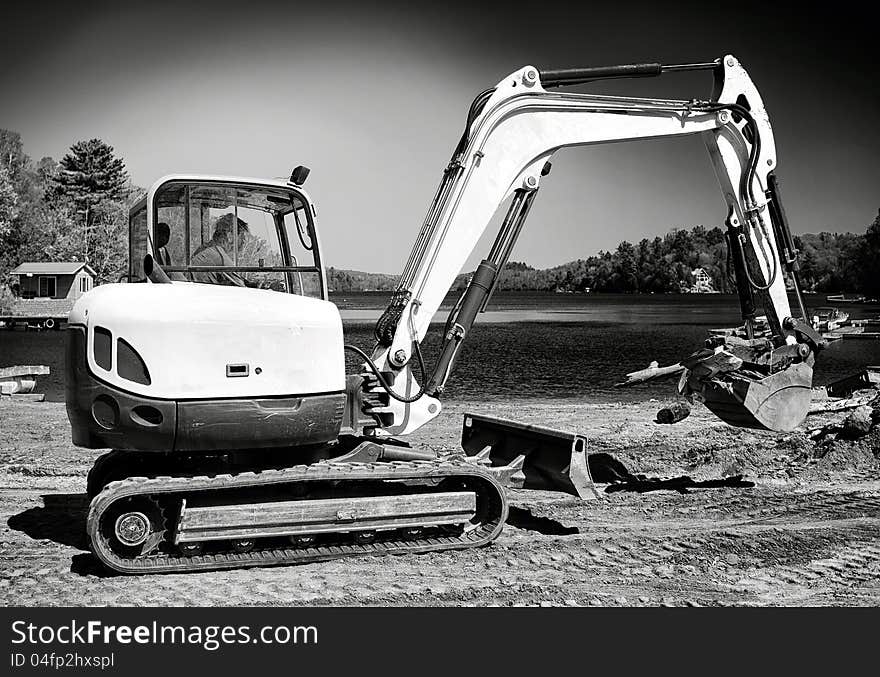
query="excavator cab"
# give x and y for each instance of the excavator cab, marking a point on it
(227, 231)
(228, 342)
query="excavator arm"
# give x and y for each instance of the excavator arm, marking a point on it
(512, 132)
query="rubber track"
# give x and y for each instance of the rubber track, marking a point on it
(324, 471)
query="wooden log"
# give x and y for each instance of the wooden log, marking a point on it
(27, 370)
(23, 397)
(674, 413)
(19, 380)
(17, 386)
(857, 400)
(652, 371)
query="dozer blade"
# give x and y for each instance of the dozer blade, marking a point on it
(778, 402)
(528, 456)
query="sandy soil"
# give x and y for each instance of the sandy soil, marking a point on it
(808, 533)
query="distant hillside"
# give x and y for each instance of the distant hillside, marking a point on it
(659, 265)
(836, 261)
(830, 262)
(340, 280)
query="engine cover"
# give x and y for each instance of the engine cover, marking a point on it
(201, 341)
(192, 367)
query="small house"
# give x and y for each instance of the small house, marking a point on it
(54, 280)
(702, 282)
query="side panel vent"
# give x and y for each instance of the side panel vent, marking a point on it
(103, 348)
(130, 365)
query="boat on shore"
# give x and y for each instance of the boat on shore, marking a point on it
(841, 298)
(866, 322)
(852, 332)
(828, 318)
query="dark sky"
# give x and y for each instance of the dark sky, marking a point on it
(372, 96)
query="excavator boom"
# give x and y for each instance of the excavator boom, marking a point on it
(512, 132)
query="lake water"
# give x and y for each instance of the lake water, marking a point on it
(537, 345)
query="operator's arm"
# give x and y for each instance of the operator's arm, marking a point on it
(215, 255)
(512, 131)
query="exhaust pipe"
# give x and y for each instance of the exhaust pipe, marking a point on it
(154, 271)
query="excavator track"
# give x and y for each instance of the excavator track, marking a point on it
(162, 502)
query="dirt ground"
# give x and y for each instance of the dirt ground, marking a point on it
(808, 533)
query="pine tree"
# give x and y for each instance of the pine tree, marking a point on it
(87, 176)
(92, 183)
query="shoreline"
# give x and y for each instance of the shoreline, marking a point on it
(513, 316)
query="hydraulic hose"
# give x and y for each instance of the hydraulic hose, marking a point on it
(385, 385)
(746, 186)
(476, 108)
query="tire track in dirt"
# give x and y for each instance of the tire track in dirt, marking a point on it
(709, 555)
(694, 516)
(825, 507)
(856, 564)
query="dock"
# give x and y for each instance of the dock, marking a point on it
(868, 322)
(10, 322)
(37, 314)
(852, 332)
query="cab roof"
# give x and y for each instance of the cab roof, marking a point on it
(283, 184)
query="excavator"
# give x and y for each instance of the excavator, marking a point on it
(215, 372)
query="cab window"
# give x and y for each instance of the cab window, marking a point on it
(237, 235)
(137, 244)
(298, 236)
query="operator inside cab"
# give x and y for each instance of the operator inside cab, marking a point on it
(215, 252)
(161, 254)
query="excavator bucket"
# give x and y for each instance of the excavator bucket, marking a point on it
(778, 402)
(528, 456)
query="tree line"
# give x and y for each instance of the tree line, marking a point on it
(829, 262)
(76, 209)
